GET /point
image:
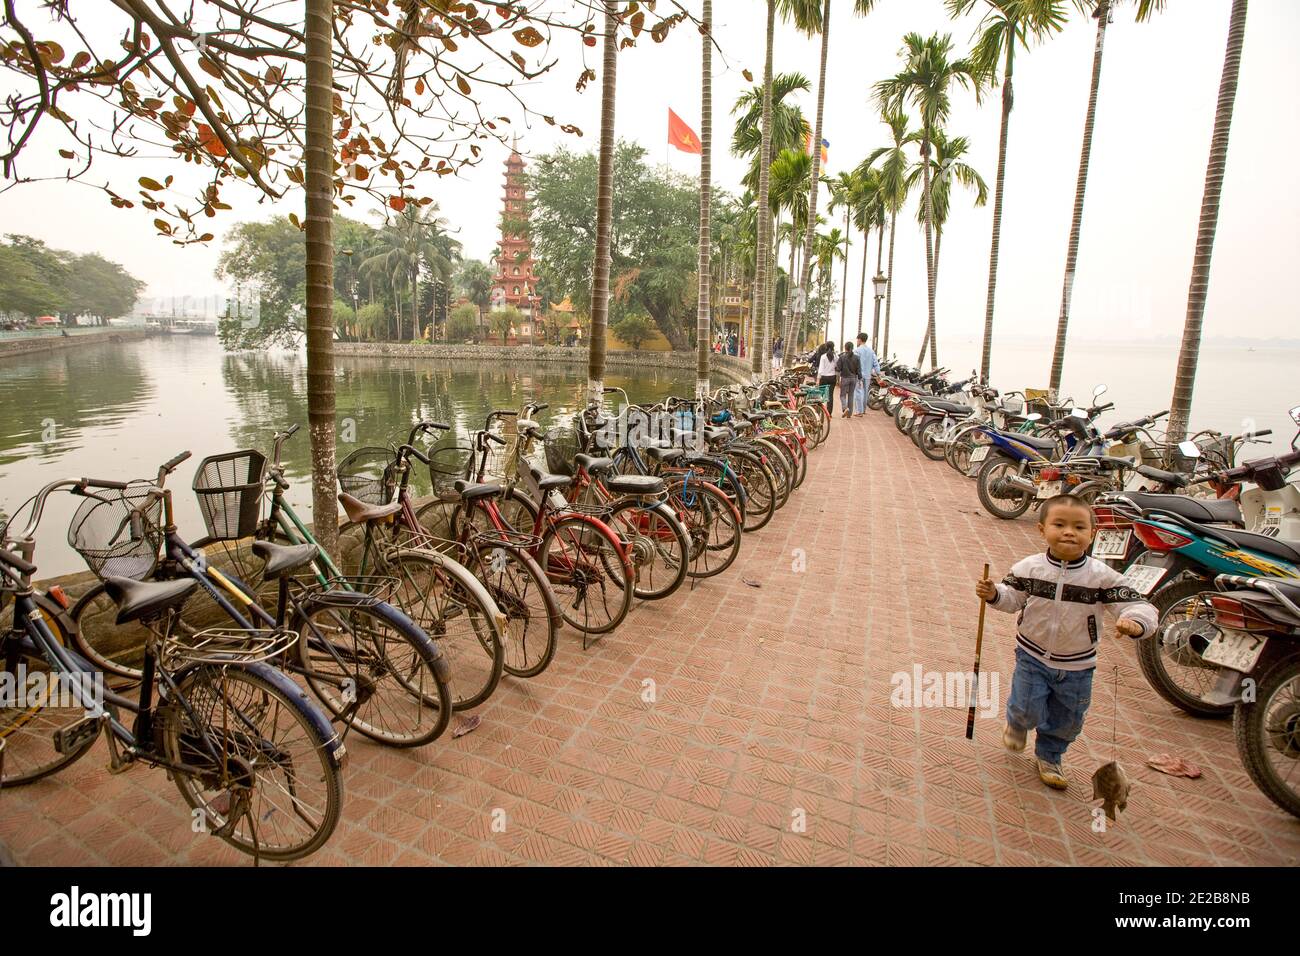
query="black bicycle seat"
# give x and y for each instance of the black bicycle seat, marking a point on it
(283, 558)
(593, 465)
(143, 599)
(640, 485)
(548, 482)
(472, 492)
(664, 455)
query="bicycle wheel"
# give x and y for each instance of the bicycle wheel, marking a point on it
(812, 423)
(454, 609)
(524, 596)
(374, 669)
(270, 785)
(28, 730)
(592, 582)
(778, 464)
(656, 544)
(760, 488)
(712, 523)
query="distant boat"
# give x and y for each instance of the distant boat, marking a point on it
(180, 330)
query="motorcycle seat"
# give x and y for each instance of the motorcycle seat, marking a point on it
(952, 408)
(1177, 479)
(1285, 550)
(1033, 441)
(1194, 509)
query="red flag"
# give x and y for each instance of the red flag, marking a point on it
(681, 135)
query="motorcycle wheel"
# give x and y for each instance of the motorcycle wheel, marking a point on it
(1268, 735)
(875, 401)
(901, 424)
(1005, 508)
(1175, 672)
(927, 439)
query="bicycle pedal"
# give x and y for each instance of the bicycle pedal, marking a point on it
(70, 739)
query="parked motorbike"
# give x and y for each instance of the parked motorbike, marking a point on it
(1254, 642)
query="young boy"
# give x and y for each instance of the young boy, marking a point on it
(1057, 594)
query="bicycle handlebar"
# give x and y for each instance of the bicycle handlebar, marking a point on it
(15, 562)
(167, 467)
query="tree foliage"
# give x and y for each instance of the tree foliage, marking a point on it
(654, 240)
(634, 330)
(37, 280)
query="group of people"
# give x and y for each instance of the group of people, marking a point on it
(727, 344)
(851, 370)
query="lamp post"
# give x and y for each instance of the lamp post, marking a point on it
(880, 283)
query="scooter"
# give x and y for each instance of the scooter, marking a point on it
(1255, 644)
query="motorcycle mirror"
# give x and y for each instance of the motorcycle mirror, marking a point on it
(1099, 391)
(1295, 414)
(1189, 449)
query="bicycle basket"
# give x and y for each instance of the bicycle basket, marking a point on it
(229, 490)
(367, 475)
(118, 533)
(561, 444)
(448, 464)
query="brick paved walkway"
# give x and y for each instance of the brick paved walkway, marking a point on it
(772, 707)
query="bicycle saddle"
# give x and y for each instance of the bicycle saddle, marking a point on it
(717, 434)
(639, 485)
(664, 455)
(472, 492)
(143, 599)
(593, 465)
(547, 482)
(359, 512)
(282, 558)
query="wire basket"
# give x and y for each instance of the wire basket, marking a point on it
(367, 475)
(229, 490)
(119, 533)
(226, 645)
(449, 464)
(561, 444)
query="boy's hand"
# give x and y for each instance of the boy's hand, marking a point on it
(1128, 628)
(987, 590)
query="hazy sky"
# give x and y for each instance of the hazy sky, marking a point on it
(1160, 82)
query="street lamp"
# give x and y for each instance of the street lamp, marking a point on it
(880, 284)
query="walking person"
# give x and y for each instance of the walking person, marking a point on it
(824, 361)
(849, 372)
(778, 350)
(870, 365)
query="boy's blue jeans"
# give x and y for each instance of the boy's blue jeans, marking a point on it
(1053, 702)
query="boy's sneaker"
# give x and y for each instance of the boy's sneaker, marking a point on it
(1013, 739)
(1052, 774)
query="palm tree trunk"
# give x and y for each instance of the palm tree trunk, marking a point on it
(1181, 406)
(604, 213)
(415, 303)
(703, 316)
(319, 273)
(875, 322)
(1072, 251)
(929, 245)
(844, 302)
(1008, 97)
(889, 284)
(862, 288)
(938, 241)
(758, 349)
(810, 229)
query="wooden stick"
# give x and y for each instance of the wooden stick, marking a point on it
(979, 645)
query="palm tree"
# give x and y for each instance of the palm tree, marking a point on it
(893, 189)
(868, 201)
(789, 127)
(1102, 14)
(319, 275)
(604, 211)
(415, 241)
(475, 281)
(945, 168)
(759, 348)
(925, 80)
(1181, 406)
(845, 189)
(828, 247)
(1004, 23)
(813, 17)
(703, 318)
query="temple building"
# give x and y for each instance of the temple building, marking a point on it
(515, 283)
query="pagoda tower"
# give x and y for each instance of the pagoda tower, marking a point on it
(515, 282)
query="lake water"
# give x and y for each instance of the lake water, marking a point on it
(118, 410)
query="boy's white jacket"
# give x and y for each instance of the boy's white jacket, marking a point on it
(1060, 607)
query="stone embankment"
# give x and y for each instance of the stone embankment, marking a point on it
(76, 338)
